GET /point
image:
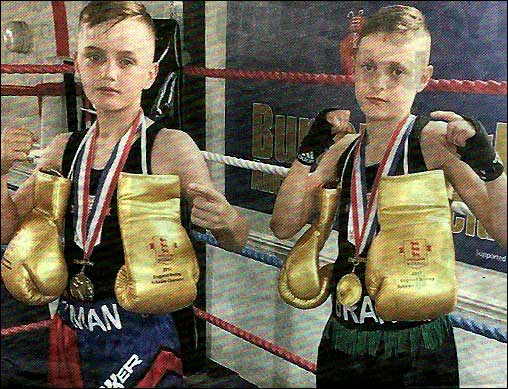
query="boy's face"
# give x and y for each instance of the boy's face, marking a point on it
(390, 69)
(116, 63)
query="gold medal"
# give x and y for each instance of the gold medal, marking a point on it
(349, 290)
(81, 287)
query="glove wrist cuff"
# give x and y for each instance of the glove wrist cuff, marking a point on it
(492, 172)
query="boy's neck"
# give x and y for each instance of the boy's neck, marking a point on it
(379, 131)
(113, 124)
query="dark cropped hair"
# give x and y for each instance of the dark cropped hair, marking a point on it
(395, 18)
(97, 12)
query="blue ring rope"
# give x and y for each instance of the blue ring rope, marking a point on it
(272, 260)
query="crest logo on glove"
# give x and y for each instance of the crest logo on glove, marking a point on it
(164, 250)
(415, 252)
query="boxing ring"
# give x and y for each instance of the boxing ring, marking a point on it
(252, 255)
(462, 86)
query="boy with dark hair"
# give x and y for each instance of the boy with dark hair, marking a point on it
(127, 262)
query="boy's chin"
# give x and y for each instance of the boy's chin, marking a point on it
(109, 107)
(381, 115)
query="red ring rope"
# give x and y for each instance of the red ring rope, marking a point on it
(26, 327)
(455, 86)
(36, 69)
(44, 89)
(256, 340)
(251, 338)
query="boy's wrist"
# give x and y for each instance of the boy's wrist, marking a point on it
(479, 153)
(318, 139)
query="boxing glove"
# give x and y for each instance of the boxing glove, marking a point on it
(302, 283)
(33, 266)
(161, 270)
(410, 270)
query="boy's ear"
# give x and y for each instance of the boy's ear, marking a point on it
(75, 58)
(152, 75)
(353, 74)
(425, 77)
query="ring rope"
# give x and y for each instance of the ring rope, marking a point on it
(454, 86)
(267, 258)
(478, 328)
(43, 89)
(38, 325)
(246, 164)
(256, 340)
(264, 257)
(36, 68)
(243, 334)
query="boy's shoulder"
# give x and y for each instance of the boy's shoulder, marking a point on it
(434, 130)
(435, 147)
(174, 138)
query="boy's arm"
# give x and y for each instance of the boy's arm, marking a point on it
(295, 201)
(210, 209)
(486, 199)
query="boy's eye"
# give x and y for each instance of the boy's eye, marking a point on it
(368, 67)
(398, 72)
(127, 62)
(94, 57)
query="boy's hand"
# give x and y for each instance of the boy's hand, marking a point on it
(210, 209)
(339, 119)
(16, 144)
(473, 144)
(459, 130)
(329, 126)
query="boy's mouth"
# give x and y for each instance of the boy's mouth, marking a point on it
(376, 100)
(107, 89)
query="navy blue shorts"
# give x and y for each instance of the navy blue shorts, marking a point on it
(100, 344)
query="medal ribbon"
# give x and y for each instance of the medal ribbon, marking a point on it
(364, 213)
(88, 222)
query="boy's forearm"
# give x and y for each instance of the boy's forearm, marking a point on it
(9, 213)
(294, 204)
(496, 191)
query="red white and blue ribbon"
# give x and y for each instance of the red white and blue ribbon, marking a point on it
(363, 210)
(88, 220)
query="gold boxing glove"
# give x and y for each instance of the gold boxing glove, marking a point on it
(302, 283)
(161, 269)
(33, 266)
(411, 263)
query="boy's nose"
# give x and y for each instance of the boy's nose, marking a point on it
(109, 70)
(379, 81)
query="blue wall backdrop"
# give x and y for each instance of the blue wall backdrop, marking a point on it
(265, 119)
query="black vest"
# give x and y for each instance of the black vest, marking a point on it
(416, 164)
(108, 255)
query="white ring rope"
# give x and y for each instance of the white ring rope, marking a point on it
(214, 157)
(243, 163)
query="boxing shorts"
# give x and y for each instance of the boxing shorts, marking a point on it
(99, 344)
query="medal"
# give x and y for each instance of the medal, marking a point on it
(81, 287)
(363, 210)
(349, 290)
